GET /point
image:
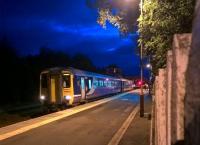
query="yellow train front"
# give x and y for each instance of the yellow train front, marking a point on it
(56, 87)
(61, 86)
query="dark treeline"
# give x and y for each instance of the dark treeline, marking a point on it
(20, 75)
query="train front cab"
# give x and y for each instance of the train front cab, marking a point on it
(56, 88)
(67, 88)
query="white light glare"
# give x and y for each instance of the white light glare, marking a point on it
(148, 65)
(42, 97)
(67, 97)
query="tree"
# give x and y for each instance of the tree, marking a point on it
(160, 21)
(81, 61)
(119, 13)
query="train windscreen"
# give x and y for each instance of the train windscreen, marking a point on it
(66, 81)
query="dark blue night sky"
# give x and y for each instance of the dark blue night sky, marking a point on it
(69, 26)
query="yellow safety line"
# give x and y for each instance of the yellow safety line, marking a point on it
(119, 134)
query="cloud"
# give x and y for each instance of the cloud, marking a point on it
(68, 26)
(84, 30)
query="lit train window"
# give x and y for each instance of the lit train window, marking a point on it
(101, 83)
(105, 83)
(90, 84)
(109, 84)
(95, 82)
(82, 83)
(66, 81)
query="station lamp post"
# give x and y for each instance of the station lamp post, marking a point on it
(141, 68)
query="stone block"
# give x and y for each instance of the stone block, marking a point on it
(168, 96)
(156, 110)
(161, 108)
(181, 47)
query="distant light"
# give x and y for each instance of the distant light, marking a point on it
(148, 66)
(42, 97)
(139, 83)
(107, 79)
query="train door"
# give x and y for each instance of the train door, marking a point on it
(54, 88)
(83, 88)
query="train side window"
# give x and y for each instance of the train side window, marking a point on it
(77, 80)
(95, 83)
(109, 84)
(105, 83)
(82, 83)
(90, 84)
(66, 81)
(113, 83)
(101, 83)
(44, 80)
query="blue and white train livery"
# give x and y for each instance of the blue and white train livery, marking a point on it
(66, 86)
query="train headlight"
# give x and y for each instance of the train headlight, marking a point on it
(68, 97)
(42, 97)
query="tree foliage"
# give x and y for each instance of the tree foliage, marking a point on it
(119, 13)
(159, 22)
(161, 19)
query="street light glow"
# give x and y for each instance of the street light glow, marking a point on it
(148, 65)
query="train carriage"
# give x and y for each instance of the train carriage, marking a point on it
(61, 86)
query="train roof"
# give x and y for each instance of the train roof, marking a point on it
(77, 72)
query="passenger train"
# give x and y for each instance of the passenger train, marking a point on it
(67, 86)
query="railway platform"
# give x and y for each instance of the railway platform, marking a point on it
(110, 121)
(139, 130)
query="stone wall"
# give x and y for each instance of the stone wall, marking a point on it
(192, 99)
(160, 104)
(177, 91)
(180, 51)
(170, 93)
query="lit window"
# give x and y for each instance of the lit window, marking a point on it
(66, 81)
(90, 84)
(105, 83)
(82, 83)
